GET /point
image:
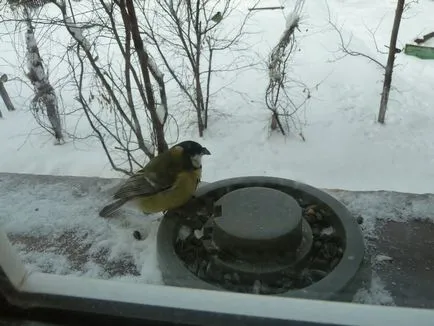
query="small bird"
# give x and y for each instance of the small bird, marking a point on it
(217, 18)
(168, 181)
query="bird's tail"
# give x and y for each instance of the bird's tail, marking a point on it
(113, 207)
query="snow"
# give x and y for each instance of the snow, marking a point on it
(34, 61)
(386, 206)
(375, 295)
(62, 217)
(429, 42)
(153, 67)
(381, 258)
(343, 141)
(292, 20)
(344, 149)
(54, 225)
(161, 112)
(31, 41)
(77, 32)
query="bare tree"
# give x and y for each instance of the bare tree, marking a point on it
(44, 103)
(147, 66)
(279, 95)
(401, 7)
(390, 61)
(345, 45)
(116, 90)
(187, 35)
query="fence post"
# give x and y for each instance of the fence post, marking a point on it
(4, 94)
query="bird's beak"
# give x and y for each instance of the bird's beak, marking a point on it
(205, 151)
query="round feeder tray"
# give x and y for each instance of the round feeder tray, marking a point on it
(262, 235)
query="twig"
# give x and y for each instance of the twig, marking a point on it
(266, 8)
(344, 46)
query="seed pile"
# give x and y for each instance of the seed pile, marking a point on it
(196, 249)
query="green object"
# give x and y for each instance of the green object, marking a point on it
(422, 52)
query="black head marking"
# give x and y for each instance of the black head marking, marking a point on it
(193, 148)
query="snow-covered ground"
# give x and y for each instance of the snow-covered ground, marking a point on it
(344, 148)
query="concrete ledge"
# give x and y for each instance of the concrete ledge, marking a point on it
(58, 216)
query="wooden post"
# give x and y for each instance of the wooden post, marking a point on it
(4, 94)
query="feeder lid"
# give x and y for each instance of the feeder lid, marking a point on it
(258, 218)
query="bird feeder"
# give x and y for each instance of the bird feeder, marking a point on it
(263, 235)
(421, 49)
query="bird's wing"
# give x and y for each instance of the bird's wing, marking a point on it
(158, 175)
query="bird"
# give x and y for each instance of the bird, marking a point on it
(166, 182)
(217, 18)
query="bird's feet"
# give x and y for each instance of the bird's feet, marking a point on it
(195, 212)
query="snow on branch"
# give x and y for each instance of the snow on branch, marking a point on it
(35, 67)
(292, 20)
(161, 109)
(77, 33)
(280, 50)
(156, 72)
(277, 97)
(162, 113)
(45, 96)
(73, 28)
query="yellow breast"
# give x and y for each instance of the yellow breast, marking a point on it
(176, 196)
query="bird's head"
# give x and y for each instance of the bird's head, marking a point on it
(194, 150)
